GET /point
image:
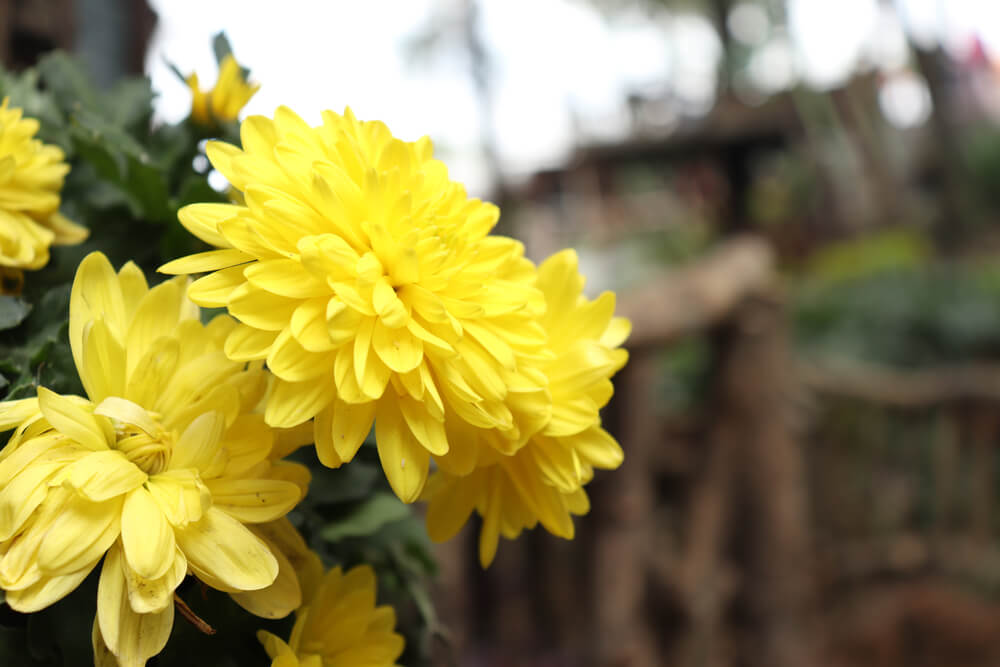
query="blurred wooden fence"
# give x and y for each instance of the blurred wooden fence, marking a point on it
(704, 549)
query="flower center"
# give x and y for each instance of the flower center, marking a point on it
(149, 451)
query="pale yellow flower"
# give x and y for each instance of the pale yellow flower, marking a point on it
(163, 471)
(31, 177)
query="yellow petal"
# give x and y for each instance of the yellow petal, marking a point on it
(181, 495)
(133, 285)
(156, 315)
(391, 311)
(261, 309)
(274, 646)
(96, 294)
(280, 598)
(247, 442)
(370, 372)
(398, 348)
(222, 547)
(72, 420)
(572, 416)
(598, 448)
(489, 532)
(151, 595)
(295, 473)
(428, 430)
(350, 425)
(293, 363)
(128, 412)
(618, 330)
(286, 277)
(147, 536)
(203, 220)
(492, 343)
(254, 500)
(80, 535)
(214, 290)
(103, 475)
(308, 325)
(132, 637)
(287, 440)
(203, 262)
(46, 591)
(341, 321)
(13, 413)
(18, 454)
(198, 444)
(449, 507)
(102, 371)
(245, 343)
(323, 438)
(26, 490)
(154, 371)
(292, 403)
(327, 255)
(103, 657)
(404, 459)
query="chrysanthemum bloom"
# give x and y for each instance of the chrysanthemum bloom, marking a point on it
(341, 627)
(223, 103)
(159, 472)
(369, 283)
(543, 480)
(31, 176)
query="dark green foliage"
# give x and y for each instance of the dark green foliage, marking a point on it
(903, 317)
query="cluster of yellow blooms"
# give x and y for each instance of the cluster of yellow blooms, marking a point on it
(31, 176)
(371, 286)
(363, 289)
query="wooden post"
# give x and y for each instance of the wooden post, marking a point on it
(622, 520)
(759, 386)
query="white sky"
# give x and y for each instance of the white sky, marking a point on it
(559, 65)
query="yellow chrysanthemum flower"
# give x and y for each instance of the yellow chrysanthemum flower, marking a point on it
(224, 102)
(160, 471)
(369, 283)
(543, 480)
(31, 176)
(341, 627)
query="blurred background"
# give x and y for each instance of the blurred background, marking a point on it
(797, 204)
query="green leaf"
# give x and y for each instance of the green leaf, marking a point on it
(366, 519)
(221, 47)
(173, 68)
(130, 103)
(65, 77)
(13, 311)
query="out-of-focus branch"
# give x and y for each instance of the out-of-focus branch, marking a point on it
(700, 295)
(904, 389)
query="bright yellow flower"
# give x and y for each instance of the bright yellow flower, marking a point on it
(224, 102)
(159, 471)
(342, 627)
(369, 283)
(31, 176)
(543, 480)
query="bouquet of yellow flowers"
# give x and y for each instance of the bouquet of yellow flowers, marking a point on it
(220, 407)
